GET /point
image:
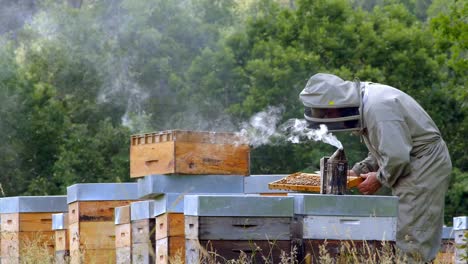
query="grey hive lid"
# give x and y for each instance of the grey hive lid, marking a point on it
(154, 185)
(102, 192)
(345, 205)
(34, 204)
(142, 210)
(239, 205)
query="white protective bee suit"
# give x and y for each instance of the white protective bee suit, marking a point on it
(405, 149)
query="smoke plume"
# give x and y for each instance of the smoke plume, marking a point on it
(263, 129)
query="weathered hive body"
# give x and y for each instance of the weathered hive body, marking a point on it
(143, 232)
(188, 152)
(91, 219)
(361, 221)
(26, 221)
(62, 243)
(259, 226)
(170, 236)
(123, 235)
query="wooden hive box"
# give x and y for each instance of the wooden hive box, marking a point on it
(259, 226)
(170, 228)
(170, 237)
(91, 219)
(26, 222)
(189, 152)
(143, 232)
(365, 224)
(123, 235)
(62, 245)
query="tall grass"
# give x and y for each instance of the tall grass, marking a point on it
(38, 251)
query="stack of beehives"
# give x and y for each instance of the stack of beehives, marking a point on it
(205, 165)
(194, 195)
(173, 163)
(91, 226)
(26, 221)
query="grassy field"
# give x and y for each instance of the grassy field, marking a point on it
(39, 252)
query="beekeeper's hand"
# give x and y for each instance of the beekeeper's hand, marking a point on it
(370, 184)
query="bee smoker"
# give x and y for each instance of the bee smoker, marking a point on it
(334, 173)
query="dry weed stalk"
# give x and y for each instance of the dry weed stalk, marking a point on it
(39, 251)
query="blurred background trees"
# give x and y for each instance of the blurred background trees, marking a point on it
(78, 78)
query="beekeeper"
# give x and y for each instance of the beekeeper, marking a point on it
(406, 152)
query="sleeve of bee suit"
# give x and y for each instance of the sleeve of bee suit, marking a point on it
(369, 164)
(392, 140)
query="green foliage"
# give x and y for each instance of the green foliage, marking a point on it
(86, 154)
(457, 196)
(449, 29)
(78, 79)
(270, 59)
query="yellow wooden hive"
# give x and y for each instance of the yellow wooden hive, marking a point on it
(189, 152)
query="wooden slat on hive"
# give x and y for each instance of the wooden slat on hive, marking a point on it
(92, 235)
(237, 228)
(26, 222)
(93, 210)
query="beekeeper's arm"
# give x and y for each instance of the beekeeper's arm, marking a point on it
(392, 139)
(369, 164)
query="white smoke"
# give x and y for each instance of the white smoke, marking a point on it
(297, 131)
(263, 129)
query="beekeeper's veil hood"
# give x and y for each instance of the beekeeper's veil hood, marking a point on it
(332, 101)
